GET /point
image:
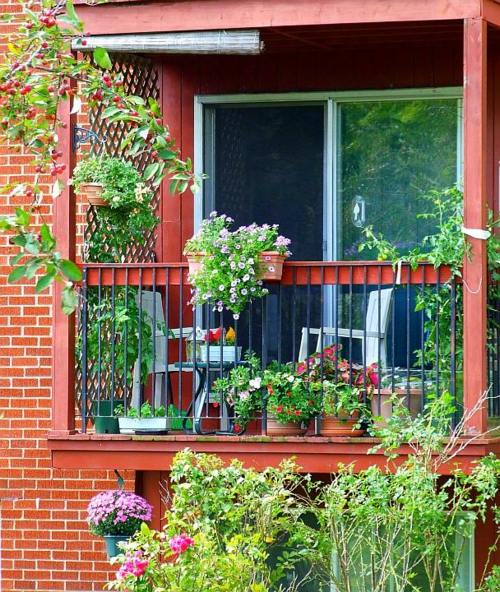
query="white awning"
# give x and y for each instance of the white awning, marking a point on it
(246, 42)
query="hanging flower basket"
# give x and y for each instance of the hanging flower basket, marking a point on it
(270, 266)
(93, 193)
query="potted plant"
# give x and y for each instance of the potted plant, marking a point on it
(145, 419)
(241, 389)
(219, 345)
(228, 267)
(109, 181)
(291, 404)
(343, 409)
(104, 415)
(117, 515)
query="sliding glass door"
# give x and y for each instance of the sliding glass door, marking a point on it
(325, 170)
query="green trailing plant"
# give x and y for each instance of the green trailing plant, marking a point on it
(39, 74)
(446, 246)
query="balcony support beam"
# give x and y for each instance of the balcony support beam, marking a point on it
(475, 216)
(63, 326)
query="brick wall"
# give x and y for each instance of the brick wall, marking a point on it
(44, 540)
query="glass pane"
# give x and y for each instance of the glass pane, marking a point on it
(391, 154)
(268, 168)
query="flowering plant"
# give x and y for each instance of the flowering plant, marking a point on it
(241, 389)
(341, 399)
(228, 276)
(289, 397)
(220, 336)
(328, 365)
(117, 512)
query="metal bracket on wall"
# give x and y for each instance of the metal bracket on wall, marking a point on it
(82, 135)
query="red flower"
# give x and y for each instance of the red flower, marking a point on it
(214, 335)
(215, 404)
(270, 389)
(298, 412)
(279, 408)
(237, 428)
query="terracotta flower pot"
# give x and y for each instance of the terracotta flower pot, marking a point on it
(93, 192)
(194, 261)
(270, 266)
(274, 428)
(343, 425)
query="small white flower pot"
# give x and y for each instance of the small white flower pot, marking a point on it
(229, 353)
(129, 425)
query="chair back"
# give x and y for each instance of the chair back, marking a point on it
(379, 302)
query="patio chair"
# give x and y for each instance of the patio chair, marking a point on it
(372, 338)
(152, 305)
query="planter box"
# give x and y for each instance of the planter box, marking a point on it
(130, 425)
(229, 353)
(103, 416)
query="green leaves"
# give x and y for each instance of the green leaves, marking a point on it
(69, 300)
(17, 273)
(102, 59)
(71, 270)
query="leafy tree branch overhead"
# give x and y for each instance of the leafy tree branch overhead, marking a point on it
(39, 74)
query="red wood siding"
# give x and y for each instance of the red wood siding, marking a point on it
(193, 15)
(394, 66)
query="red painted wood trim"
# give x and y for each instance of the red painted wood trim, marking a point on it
(300, 273)
(195, 15)
(313, 454)
(171, 217)
(63, 326)
(475, 208)
(491, 12)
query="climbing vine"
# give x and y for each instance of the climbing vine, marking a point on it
(39, 73)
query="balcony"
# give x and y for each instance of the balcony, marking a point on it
(370, 313)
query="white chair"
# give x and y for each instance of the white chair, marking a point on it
(151, 304)
(372, 337)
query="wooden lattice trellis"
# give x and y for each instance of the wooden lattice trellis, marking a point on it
(140, 78)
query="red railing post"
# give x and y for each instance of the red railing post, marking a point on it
(475, 216)
(63, 326)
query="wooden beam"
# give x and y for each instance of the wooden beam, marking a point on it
(314, 454)
(491, 12)
(196, 15)
(475, 215)
(63, 326)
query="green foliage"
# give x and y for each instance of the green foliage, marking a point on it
(289, 397)
(115, 327)
(38, 255)
(248, 528)
(446, 246)
(241, 388)
(341, 399)
(145, 411)
(39, 73)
